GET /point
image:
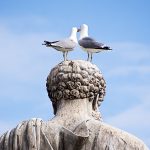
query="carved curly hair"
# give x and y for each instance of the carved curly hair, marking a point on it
(76, 79)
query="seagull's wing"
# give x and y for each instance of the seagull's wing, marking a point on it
(88, 42)
(66, 44)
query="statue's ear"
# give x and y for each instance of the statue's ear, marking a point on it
(95, 103)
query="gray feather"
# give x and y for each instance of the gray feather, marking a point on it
(88, 42)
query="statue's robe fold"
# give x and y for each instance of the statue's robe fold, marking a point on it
(89, 135)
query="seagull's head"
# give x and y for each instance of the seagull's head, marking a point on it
(73, 35)
(74, 29)
(83, 31)
(84, 27)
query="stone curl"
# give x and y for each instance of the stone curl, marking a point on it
(75, 79)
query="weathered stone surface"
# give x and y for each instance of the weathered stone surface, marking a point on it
(75, 88)
(88, 135)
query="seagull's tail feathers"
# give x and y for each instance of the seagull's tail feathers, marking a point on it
(49, 44)
(106, 48)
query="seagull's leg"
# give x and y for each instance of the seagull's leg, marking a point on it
(91, 57)
(88, 56)
(64, 56)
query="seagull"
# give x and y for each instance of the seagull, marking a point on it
(88, 44)
(64, 45)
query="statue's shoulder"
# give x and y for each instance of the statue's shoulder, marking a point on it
(108, 136)
(25, 130)
(31, 134)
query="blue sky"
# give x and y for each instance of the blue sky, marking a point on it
(25, 63)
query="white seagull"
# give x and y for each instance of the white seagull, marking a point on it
(88, 44)
(64, 45)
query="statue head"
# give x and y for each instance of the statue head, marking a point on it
(76, 79)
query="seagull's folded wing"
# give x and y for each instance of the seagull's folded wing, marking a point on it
(88, 42)
(66, 43)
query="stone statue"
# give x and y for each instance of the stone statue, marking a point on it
(76, 89)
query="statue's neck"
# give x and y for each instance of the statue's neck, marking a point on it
(73, 112)
(79, 108)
